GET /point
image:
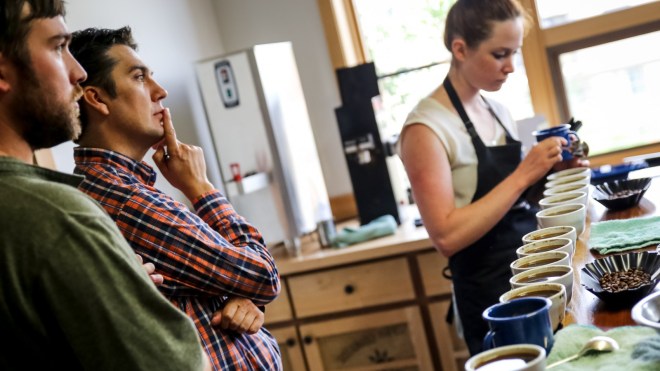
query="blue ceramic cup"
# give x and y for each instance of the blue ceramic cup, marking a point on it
(563, 131)
(520, 321)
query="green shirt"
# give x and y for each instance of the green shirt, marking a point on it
(72, 294)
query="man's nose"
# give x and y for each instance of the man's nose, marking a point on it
(159, 93)
(77, 74)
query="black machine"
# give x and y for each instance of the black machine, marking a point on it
(363, 148)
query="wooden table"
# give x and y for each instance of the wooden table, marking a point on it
(585, 308)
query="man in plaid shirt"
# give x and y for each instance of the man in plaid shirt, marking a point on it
(216, 266)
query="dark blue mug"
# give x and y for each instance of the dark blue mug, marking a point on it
(520, 321)
(563, 131)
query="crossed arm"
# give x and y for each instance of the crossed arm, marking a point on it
(249, 275)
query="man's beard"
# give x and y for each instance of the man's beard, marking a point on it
(45, 121)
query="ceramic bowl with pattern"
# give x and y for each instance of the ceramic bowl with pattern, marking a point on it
(621, 194)
(605, 277)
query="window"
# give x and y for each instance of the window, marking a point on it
(606, 71)
(615, 85)
(404, 39)
(564, 59)
(558, 12)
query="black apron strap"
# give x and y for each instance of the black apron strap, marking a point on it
(458, 106)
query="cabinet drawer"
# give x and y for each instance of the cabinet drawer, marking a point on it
(350, 288)
(279, 310)
(431, 265)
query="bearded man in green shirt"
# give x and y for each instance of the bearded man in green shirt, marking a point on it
(73, 295)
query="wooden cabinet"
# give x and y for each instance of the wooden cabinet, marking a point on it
(450, 346)
(388, 340)
(279, 310)
(431, 265)
(453, 349)
(379, 314)
(354, 287)
(292, 356)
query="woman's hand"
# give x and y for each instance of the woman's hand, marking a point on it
(575, 161)
(539, 160)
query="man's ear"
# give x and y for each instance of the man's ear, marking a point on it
(95, 99)
(459, 49)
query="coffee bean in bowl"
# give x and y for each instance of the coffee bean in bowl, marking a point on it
(621, 280)
(624, 280)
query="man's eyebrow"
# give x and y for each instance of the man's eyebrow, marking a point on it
(60, 37)
(139, 67)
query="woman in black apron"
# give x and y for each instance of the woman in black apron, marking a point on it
(470, 270)
(480, 239)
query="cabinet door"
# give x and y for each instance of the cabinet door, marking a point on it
(391, 340)
(290, 347)
(279, 310)
(452, 349)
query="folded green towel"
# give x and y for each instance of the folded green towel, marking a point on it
(636, 349)
(621, 235)
(379, 227)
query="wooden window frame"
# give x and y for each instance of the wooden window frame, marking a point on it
(540, 50)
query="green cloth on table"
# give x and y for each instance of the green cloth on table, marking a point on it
(622, 235)
(379, 227)
(637, 349)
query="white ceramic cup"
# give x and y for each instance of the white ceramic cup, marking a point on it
(574, 215)
(569, 172)
(522, 357)
(566, 188)
(562, 231)
(563, 199)
(540, 259)
(556, 292)
(550, 244)
(562, 274)
(570, 179)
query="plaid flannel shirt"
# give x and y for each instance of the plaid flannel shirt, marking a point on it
(204, 256)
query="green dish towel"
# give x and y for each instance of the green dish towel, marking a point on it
(379, 227)
(621, 235)
(639, 349)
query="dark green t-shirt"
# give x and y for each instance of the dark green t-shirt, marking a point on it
(72, 294)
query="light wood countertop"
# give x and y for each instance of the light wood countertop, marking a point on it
(408, 238)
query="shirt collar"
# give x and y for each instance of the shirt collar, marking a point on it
(140, 169)
(10, 165)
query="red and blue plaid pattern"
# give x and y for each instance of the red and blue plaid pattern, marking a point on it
(205, 256)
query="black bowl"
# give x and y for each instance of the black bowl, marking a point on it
(591, 274)
(621, 194)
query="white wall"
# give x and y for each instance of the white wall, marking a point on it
(243, 23)
(174, 34)
(171, 35)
